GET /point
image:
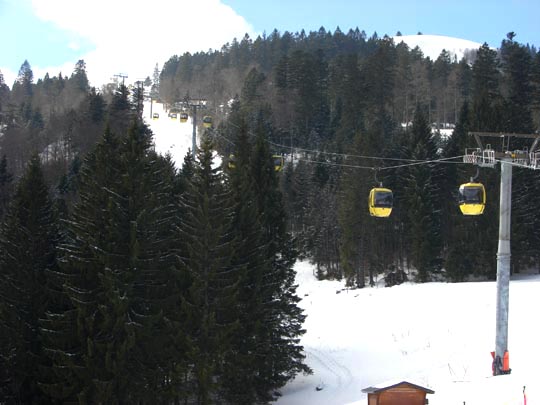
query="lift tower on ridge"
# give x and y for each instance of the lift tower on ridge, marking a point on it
(194, 104)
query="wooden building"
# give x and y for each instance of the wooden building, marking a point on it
(402, 393)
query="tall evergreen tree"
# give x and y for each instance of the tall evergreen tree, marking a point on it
(154, 90)
(79, 76)
(119, 268)
(209, 303)
(242, 382)
(280, 335)
(6, 179)
(324, 232)
(516, 86)
(4, 98)
(28, 241)
(121, 111)
(378, 85)
(422, 199)
(441, 72)
(23, 86)
(486, 97)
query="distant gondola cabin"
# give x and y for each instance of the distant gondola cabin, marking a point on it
(472, 198)
(183, 117)
(232, 162)
(207, 121)
(155, 116)
(278, 162)
(380, 202)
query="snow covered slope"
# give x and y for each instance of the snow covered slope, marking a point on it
(437, 335)
(432, 45)
(170, 135)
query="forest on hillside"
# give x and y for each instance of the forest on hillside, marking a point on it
(335, 102)
(132, 282)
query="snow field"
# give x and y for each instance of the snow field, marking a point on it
(437, 335)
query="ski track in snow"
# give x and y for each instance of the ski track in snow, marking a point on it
(343, 375)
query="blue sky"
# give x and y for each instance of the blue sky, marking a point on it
(53, 34)
(478, 21)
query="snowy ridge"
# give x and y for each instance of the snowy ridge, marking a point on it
(432, 45)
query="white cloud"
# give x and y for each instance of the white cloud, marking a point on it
(9, 76)
(131, 36)
(73, 45)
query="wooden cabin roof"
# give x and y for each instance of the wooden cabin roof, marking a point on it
(377, 389)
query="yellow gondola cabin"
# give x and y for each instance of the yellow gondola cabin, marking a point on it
(232, 162)
(380, 202)
(183, 117)
(472, 198)
(207, 121)
(278, 162)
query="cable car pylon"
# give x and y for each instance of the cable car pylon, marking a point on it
(488, 157)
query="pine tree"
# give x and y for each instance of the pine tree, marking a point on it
(516, 87)
(352, 215)
(251, 94)
(23, 86)
(242, 378)
(119, 270)
(79, 76)
(96, 107)
(280, 333)
(323, 216)
(6, 179)
(378, 84)
(486, 97)
(121, 111)
(154, 91)
(441, 72)
(209, 304)
(28, 242)
(422, 199)
(4, 98)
